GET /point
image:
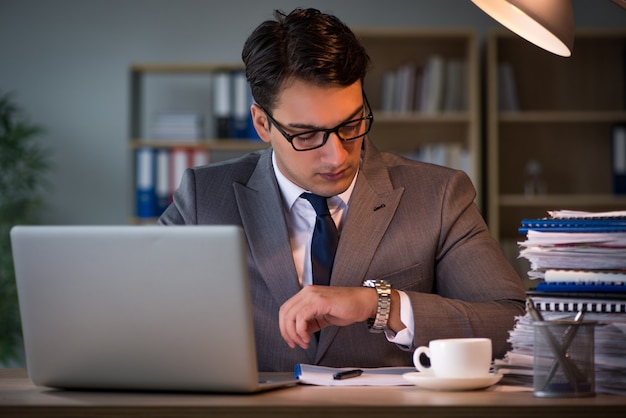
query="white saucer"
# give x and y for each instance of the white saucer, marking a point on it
(428, 381)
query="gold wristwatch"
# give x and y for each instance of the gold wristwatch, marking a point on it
(383, 308)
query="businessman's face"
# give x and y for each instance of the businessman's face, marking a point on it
(302, 108)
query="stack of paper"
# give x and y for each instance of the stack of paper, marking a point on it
(593, 243)
(579, 260)
(177, 126)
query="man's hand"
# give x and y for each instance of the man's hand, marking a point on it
(316, 307)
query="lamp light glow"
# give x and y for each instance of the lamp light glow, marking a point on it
(548, 24)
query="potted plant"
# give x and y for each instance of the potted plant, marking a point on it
(23, 164)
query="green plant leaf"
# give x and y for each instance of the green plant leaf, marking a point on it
(23, 165)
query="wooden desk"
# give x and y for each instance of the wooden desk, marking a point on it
(18, 397)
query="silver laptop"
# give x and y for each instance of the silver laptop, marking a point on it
(137, 308)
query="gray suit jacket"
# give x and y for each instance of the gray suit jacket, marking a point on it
(411, 223)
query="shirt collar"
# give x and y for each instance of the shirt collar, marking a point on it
(291, 192)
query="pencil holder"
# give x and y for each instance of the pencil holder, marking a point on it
(564, 359)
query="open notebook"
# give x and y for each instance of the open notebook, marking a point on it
(138, 308)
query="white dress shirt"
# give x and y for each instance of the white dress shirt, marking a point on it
(300, 217)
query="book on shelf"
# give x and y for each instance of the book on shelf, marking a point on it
(507, 89)
(182, 158)
(405, 88)
(199, 156)
(433, 85)
(145, 197)
(439, 85)
(158, 174)
(241, 105)
(618, 151)
(252, 134)
(388, 91)
(162, 180)
(222, 103)
(232, 99)
(455, 96)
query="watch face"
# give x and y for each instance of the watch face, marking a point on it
(373, 282)
(369, 283)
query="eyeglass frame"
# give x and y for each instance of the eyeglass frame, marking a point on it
(369, 117)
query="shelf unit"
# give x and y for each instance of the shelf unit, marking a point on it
(186, 86)
(140, 112)
(391, 48)
(567, 107)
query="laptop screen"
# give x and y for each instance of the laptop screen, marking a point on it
(136, 307)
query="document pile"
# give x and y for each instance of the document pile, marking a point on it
(579, 262)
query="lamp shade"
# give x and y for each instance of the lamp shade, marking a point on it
(548, 24)
(621, 3)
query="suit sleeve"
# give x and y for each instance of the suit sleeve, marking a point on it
(477, 293)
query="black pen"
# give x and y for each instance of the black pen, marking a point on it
(347, 374)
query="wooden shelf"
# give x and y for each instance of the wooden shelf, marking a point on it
(145, 68)
(564, 200)
(567, 108)
(555, 116)
(388, 48)
(406, 133)
(207, 144)
(443, 117)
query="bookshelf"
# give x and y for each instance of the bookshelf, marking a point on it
(450, 131)
(408, 130)
(557, 115)
(180, 90)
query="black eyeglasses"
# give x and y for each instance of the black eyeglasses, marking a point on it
(346, 131)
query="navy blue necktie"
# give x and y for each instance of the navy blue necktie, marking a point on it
(324, 242)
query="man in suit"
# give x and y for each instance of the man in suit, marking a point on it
(411, 230)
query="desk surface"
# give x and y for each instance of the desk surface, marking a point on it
(19, 397)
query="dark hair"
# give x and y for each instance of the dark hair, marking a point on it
(305, 44)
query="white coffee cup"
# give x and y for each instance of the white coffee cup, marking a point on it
(455, 357)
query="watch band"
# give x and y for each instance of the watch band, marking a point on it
(383, 308)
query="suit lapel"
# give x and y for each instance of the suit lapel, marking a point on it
(372, 206)
(264, 225)
(368, 218)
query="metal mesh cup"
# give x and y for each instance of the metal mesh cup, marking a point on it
(564, 359)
